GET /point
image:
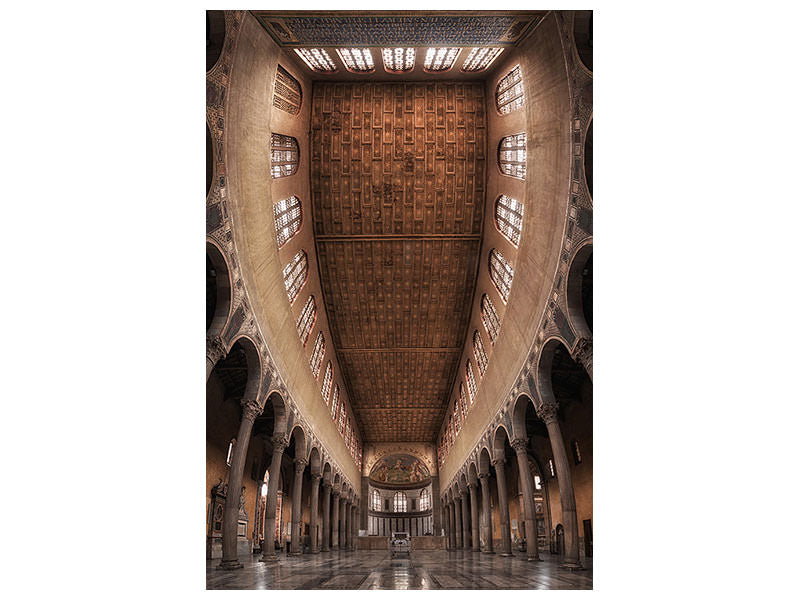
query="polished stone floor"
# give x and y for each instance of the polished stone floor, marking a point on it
(376, 570)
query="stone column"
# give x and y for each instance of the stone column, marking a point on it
(583, 355)
(473, 517)
(343, 531)
(437, 505)
(464, 520)
(451, 519)
(353, 527)
(297, 506)
(279, 443)
(502, 505)
(364, 502)
(326, 516)
(487, 512)
(215, 350)
(548, 413)
(315, 477)
(459, 525)
(520, 446)
(230, 522)
(335, 520)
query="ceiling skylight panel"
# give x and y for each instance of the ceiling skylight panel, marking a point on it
(440, 59)
(358, 60)
(317, 59)
(480, 58)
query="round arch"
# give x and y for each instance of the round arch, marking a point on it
(252, 358)
(582, 32)
(499, 442)
(579, 290)
(518, 425)
(218, 289)
(215, 37)
(544, 367)
(315, 461)
(299, 437)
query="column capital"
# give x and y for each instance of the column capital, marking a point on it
(583, 351)
(215, 348)
(315, 477)
(464, 493)
(484, 476)
(473, 485)
(280, 442)
(498, 461)
(520, 444)
(300, 465)
(326, 485)
(548, 412)
(336, 493)
(250, 410)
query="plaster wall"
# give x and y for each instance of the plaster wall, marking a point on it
(545, 118)
(251, 120)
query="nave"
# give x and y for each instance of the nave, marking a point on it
(425, 570)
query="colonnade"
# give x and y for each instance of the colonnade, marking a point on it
(461, 505)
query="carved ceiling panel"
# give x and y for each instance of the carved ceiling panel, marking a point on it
(398, 189)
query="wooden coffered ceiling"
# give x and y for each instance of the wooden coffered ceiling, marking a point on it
(398, 190)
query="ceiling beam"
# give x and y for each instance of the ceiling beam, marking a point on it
(353, 237)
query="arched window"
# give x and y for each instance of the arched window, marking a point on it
(317, 59)
(501, 272)
(288, 216)
(480, 353)
(341, 419)
(551, 467)
(285, 155)
(576, 452)
(375, 500)
(508, 217)
(335, 403)
(471, 383)
(440, 59)
(229, 458)
(509, 95)
(511, 155)
(288, 94)
(457, 417)
(295, 274)
(357, 60)
(425, 499)
(400, 502)
(307, 318)
(326, 383)
(489, 318)
(462, 404)
(398, 60)
(480, 58)
(316, 354)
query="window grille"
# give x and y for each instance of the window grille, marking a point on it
(335, 403)
(288, 216)
(440, 59)
(480, 353)
(285, 155)
(295, 274)
(288, 95)
(489, 318)
(400, 502)
(510, 95)
(512, 155)
(425, 500)
(357, 60)
(398, 60)
(317, 59)
(317, 354)
(326, 382)
(307, 318)
(471, 387)
(508, 217)
(501, 272)
(480, 58)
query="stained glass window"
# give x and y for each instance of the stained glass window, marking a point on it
(335, 403)
(376, 500)
(317, 59)
(400, 502)
(512, 154)
(576, 452)
(285, 155)
(317, 354)
(471, 382)
(501, 272)
(509, 95)
(326, 382)
(398, 60)
(480, 353)
(357, 60)
(425, 499)
(288, 216)
(551, 467)
(508, 217)
(440, 59)
(295, 274)
(341, 418)
(480, 58)
(307, 318)
(288, 95)
(489, 318)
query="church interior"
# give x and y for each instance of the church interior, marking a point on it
(399, 300)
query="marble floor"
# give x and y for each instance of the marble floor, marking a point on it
(376, 570)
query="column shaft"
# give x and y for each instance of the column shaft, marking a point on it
(297, 507)
(459, 525)
(464, 520)
(230, 520)
(502, 502)
(473, 507)
(531, 544)
(487, 512)
(451, 517)
(326, 517)
(279, 444)
(335, 521)
(314, 509)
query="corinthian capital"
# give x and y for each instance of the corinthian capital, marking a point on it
(250, 410)
(498, 461)
(520, 444)
(548, 412)
(215, 348)
(583, 352)
(300, 465)
(279, 442)
(315, 477)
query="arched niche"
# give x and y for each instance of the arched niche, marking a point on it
(218, 290)
(215, 36)
(579, 291)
